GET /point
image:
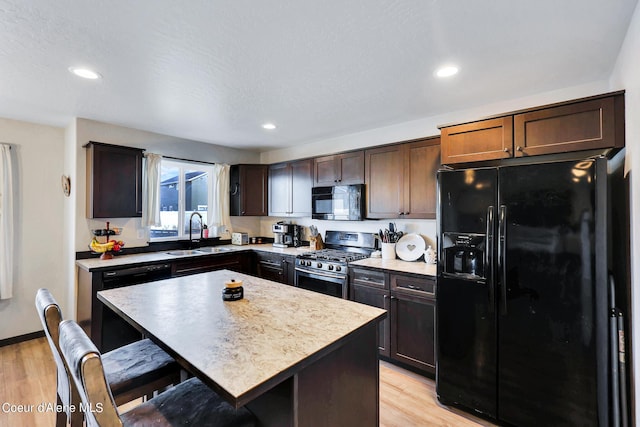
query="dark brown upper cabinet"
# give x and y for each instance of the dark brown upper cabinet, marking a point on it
(591, 123)
(290, 188)
(114, 181)
(401, 179)
(339, 169)
(249, 190)
(490, 139)
(582, 126)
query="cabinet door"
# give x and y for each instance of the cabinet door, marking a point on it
(280, 189)
(376, 298)
(324, 171)
(413, 330)
(371, 287)
(350, 168)
(385, 182)
(490, 139)
(255, 188)
(422, 160)
(301, 184)
(114, 181)
(249, 190)
(339, 169)
(581, 126)
(289, 268)
(271, 269)
(413, 310)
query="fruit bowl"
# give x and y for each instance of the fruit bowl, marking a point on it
(109, 246)
(106, 249)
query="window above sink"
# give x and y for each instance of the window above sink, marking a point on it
(184, 189)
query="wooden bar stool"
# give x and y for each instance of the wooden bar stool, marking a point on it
(132, 371)
(189, 403)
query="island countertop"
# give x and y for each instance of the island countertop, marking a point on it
(241, 348)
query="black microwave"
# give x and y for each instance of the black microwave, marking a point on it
(341, 202)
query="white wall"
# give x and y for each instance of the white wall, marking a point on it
(69, 214)
(626, 75)
(39, 230)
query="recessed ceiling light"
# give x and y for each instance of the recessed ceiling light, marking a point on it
(85, 73)
(447, 71)
(269, 126)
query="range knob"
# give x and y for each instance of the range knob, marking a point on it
(308, 263)
(338, 268)
(330, 266)
(319, 265)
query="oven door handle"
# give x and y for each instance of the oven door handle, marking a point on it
(321, 274)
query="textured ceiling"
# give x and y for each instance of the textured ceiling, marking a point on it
(214, 71)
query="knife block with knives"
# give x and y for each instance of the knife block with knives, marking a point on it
(315, 239)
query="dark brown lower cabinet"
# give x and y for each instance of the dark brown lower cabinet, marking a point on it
(412, 336)
(413, 320)
(275, 267)
(407, 335)
(203, 264)
(376, 298)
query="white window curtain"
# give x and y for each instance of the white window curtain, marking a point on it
(151, 191)
(6, 222)
(219, 211)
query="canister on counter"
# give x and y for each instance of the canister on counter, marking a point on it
(233, 290)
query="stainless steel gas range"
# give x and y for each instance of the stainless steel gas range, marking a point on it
(326, 270)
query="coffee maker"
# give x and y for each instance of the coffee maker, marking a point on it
(285, 235)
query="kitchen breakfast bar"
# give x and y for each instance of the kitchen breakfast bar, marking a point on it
(293, 357)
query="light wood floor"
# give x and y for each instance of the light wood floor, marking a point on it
(27, 377)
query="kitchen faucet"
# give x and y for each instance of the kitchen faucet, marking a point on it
(191, 229)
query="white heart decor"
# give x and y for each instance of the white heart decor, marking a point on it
(410, 247)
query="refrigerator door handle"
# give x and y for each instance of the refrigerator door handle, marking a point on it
(488, 259)
(502, 258)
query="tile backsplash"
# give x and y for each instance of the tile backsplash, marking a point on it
(424, 227)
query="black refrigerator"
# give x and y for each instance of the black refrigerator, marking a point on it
(530, 257)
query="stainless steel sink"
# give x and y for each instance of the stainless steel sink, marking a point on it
(184, 252)
(212, 250)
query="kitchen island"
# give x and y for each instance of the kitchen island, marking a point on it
(293, 357)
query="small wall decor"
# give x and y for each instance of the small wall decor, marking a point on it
(66, 185)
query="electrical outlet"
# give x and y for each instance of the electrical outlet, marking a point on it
(140, 234)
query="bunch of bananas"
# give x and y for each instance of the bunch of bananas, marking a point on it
(111, 245)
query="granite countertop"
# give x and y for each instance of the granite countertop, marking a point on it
(242, 347)
(415, 267)
(91, 264)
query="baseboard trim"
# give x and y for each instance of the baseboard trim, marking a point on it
(21, 338)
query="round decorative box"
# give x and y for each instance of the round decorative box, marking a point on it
(233, 290)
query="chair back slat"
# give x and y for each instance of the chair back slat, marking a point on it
(85, 365)
(51, 316)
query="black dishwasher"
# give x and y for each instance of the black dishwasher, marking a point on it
(116, 332)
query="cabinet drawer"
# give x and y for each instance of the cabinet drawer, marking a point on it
(410, 284)
(371, 278)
